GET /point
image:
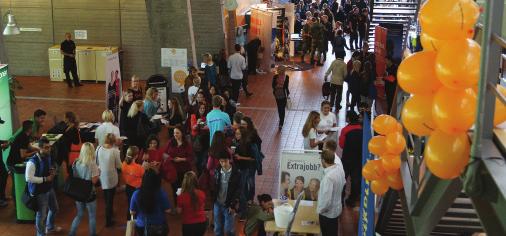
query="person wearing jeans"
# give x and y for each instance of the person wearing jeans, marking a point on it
(227, 182)
(236, 64)
(339, 73)
(85, 167)
(280, 83)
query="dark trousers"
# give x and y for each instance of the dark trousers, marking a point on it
(355, 100)
(3, 178)
(328, 226)
(69, 65)
(281, 103)
(336, 95)
(390, 93)
(109, 201)
(129, 190)
(197, 229)
(354, 38)
(245, 82)
(176, 185)
(354, 170)
(362, 37)
(236, 84)
(252, 63)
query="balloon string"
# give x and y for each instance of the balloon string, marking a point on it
(461, 16)
(433, 45)
(428, 127)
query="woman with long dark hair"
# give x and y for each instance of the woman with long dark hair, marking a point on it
(244, 158)
(190, 203)
(218, 148)
(149, 203)
(247, 123)
(281, 92)
(70, 136)
(175, 115)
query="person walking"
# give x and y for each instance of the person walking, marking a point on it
(86, 168)
(280, 83)
(317, 41)
(329, 196)
(306, 36)
(236, 64)
(149, 205)
(353, 21)
(340, 44)
(339, 73)
(109, 163)
(68, 50)
(40, 173)
(226, 197)
(190, 203)
(354, 81)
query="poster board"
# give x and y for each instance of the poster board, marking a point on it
(295, 163)
(177, 60)
(178, 75)
(5, 108)
(366, 211)
(380, 51)
(113, 84)
(261, 23)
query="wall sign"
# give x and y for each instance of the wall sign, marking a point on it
(81, 34)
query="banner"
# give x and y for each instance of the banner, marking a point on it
(113, 84)
(261, 27)
(366, 218)
(178, 75)
(299, 171)
(174, 57)
(395, 36)
(380, 51)
(5, 108)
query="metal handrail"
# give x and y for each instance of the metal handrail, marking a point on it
(497, 93)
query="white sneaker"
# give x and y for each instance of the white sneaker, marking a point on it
(56, 229)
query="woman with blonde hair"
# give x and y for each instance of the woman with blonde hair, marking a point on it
(354, 83)
(85, 167)
(190, 203)
(309, 131)
(151, 102)
(109, 163)
(137, 125)
(106, 127)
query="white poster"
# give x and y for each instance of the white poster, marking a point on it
(178, 75)
(113, 84)
(162, 100)
(81, 34)
(299, 171)
(174, 57)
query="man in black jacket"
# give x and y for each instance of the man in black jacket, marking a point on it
(226, 197)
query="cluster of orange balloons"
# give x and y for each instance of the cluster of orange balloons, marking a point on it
(384, 172)
(443, 82)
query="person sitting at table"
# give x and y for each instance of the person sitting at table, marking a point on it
(70, 136)
(311, 192)
(38, 119)
(257, 215)
(106, 127)
(151, 102)
(297, 188)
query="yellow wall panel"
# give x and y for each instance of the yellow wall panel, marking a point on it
(86, 4)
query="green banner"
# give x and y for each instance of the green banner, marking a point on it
(5, 107)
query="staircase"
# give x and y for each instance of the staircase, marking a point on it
(393, 11)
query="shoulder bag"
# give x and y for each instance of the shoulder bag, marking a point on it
(155, 230)
(78, 189)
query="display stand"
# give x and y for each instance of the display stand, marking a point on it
(160, 83)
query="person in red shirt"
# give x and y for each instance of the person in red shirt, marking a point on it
(190, 203)
(180, 153)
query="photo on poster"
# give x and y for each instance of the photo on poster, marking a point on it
(299, 171)
(113, 84)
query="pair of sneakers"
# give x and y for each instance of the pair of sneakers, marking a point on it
(54, 230)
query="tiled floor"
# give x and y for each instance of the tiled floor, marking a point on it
(88, 103)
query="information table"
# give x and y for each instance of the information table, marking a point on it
(306, 213)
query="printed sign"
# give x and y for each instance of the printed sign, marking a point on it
(366, 218)
(5, 108)
(299, 171)
(178, 75)
(174, 57)
(113, 84)
(81, 34)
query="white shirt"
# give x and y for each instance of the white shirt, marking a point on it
(192, 92)
(30, 173)
(104, 129)
(329, 195)
(236, 63)
(327, 121)
(307, 140)
(108, 163)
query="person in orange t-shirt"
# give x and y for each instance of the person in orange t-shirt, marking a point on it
(132, 174)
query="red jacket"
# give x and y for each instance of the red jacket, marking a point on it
(344, 132)
(183, 151)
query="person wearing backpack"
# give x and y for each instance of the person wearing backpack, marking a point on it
(39, 174)
(85, 167)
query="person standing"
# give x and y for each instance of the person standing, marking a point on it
(363, 23)
(353, 18)
(227, 181)
(151, 102)
(390, 82)
(339, 72)
(107, 127)
(339, 45)
(306, 36)
(281, 92)
(68, 50)
(216, 119)
(317, 35)
(329, 197)
(40, 173)
(236, 65)
(39, 119)
(132, 173)
(86, 168)
(309, 131)
(327, 34)
(191, 205)
(109, 163)
(136, 88)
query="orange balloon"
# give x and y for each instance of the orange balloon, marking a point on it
(417, 115)
(430, 43)
(415, 80)
(446, 155)
(377, 145)
(400, 128)
(458, 64)
(379, 187)
(449, 19)
(395, 143)
(500, 108)
(384, 124)
(454, 111)
(394, 180)
(391, 163)
(372, 170)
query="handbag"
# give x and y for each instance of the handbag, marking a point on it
(130, 227)
(29, 200)
(78, 189)
(155, 230)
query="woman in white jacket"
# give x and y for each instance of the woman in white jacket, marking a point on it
(109, 163)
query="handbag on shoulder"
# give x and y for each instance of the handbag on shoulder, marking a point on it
(78, 189)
